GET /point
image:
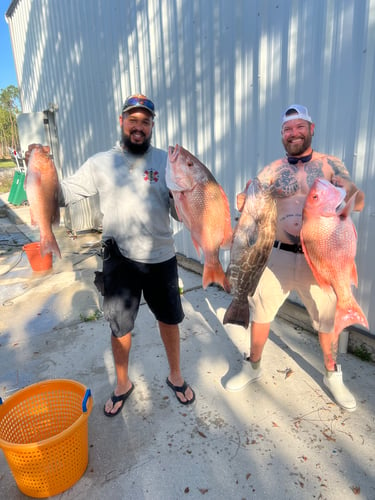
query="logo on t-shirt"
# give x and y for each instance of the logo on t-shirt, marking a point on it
(151, 175)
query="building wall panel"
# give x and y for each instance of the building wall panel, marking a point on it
(220, 71)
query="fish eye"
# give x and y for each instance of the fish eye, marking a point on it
(190, 163)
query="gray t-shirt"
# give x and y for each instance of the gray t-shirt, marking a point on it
(134, 200)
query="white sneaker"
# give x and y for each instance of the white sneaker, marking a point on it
(250, 372)
(341, 394)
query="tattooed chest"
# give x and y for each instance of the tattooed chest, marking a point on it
(291, 179)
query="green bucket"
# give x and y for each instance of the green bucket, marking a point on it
(17, 194)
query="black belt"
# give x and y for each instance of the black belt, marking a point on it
(288, 248)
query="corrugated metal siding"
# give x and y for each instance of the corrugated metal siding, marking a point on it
(220, 72)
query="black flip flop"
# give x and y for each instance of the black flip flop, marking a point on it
(116, 399)
(181, 389)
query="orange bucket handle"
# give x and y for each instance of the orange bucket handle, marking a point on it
(84, 401)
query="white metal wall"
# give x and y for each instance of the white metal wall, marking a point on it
(220, 72)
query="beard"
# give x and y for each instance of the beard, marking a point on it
(137, 149)
(298, 149)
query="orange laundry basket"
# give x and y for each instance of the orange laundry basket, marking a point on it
(44, 435)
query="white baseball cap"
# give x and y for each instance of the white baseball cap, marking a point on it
(296, 111)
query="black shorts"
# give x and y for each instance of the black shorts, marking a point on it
(124, 281)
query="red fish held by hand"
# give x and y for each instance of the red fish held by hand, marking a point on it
(42, 191)
(203, 207)
(329, 241)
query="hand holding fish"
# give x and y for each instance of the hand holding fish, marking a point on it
(351, 190)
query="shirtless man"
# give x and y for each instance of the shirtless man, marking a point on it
(291, 178)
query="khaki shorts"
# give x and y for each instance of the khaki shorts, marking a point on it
(286, 272)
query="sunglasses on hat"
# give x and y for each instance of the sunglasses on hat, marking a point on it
(135, 101)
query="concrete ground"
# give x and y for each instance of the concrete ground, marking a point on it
(281, 437)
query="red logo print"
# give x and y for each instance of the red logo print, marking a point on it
(151, 175)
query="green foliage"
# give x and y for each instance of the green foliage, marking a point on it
(362, 352)
(94, 316)
(6, 175)
(6, 163)
(9, 109)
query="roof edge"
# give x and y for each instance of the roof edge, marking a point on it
(11, 9)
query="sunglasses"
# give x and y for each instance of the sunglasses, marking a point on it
(143, 102)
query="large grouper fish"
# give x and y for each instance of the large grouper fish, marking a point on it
(329, 242)
(41, 184)
(202, 205)
(253, 239)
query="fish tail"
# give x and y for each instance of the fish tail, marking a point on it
(238, 313)
(349, 316)
(215, 274)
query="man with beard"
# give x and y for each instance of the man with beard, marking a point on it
(139, 253)
(290, 179)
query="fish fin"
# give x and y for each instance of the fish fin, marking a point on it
(215, 274)
(354, 275)
(196, 246)
(252, 234)
(324, 285)
(355, 232)
(228, 231)
(349, 316)
(177, 209)
(238, 313)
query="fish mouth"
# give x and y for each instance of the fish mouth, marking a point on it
(173, 152)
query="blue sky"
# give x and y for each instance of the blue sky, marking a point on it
(7, 69)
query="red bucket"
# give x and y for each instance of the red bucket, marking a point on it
(38, 262)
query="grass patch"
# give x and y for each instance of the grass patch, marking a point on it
(5, 186)
(6, 175)
(94, 316)
(362, 353)
(7, 163)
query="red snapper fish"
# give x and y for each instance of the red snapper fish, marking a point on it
(41, 184)
(329, 241)
(253, 240)
(203, 207)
